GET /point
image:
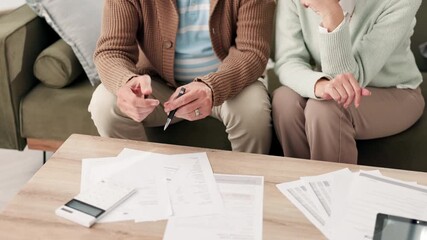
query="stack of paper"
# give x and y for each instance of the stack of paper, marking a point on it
(241, 219)
(183, 189)
(344, 205)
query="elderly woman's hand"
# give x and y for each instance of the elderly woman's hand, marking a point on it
(330, 11)
(344, 89)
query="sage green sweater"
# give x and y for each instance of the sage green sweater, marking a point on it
(374, 45)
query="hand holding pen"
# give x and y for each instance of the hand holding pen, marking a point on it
(196, 103)
(172, 113)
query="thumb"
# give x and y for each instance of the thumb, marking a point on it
(326, 96)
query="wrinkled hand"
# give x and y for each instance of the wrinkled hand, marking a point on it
(132, 98)
(344, 89)
(197, 96)
(330, 11)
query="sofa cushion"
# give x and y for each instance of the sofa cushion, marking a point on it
(49, 113)
(57, 65)
(406, 150)
(78, 22)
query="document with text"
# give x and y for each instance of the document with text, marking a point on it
(344, 204)
(369, 194)
(241, 219)
(167, 185)
(143, 172)
(192, 189)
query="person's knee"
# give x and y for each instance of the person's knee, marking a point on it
(259, 124)
(287, 106)
(251, 112)
(101, 108)
(252, 117)
(322, 113)
(255, 127)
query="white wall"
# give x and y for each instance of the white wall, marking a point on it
(8, 5)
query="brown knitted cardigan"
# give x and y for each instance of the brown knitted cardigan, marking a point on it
(240, 31)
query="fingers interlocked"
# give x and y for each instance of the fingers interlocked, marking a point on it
(345, 89)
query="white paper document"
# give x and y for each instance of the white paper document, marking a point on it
(321, 186)
(344, 205)
(370, 194)
(178, 185)
(144, 173)
(242, 218)
(312, 196)
(175, 170)
(198, 193)
(95, 170)
(151, 200)
(192, 187)
(301, 195)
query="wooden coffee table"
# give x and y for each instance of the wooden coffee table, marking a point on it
(30, 215)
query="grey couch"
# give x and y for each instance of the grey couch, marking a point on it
(42, 117)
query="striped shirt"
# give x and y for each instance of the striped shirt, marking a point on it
(194, 56)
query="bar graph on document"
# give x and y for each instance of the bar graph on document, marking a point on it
(303, 197)
(322, 190)
(321, 185)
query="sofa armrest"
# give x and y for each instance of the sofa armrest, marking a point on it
(23, 36)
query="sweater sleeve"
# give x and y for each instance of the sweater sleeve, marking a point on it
(116, 53)
(292, 57)
(247, 59)
(367, 58)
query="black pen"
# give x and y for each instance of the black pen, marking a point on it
(172, 113)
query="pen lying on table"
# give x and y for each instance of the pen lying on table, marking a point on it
(172, 113)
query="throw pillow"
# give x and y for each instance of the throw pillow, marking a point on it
(78, 22)
(423, 49)
(57, 65)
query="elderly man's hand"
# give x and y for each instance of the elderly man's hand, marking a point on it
(132, 98)
(195, 104)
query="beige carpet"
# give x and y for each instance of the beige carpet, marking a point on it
(16, 168)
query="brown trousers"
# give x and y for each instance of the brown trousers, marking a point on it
(324, 130)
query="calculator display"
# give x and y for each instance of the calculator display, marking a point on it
(84, 207)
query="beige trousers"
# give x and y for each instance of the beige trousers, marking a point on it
(323, 130)
(247, 117)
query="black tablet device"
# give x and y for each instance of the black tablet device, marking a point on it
(389, 227)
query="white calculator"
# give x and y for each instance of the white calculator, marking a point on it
(89, 206)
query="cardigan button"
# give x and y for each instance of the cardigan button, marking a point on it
(167, 44)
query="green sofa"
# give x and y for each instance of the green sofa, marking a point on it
(42, 117)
